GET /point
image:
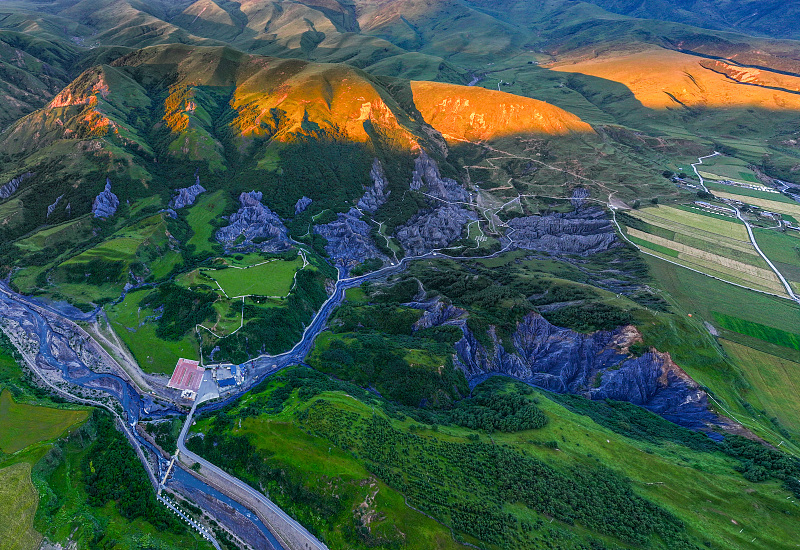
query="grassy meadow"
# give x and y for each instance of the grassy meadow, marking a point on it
(317, 439)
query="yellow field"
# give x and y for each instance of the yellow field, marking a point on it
(730, 229)
(18, 502)
(772, 206)
(681, 229)
(750, 270)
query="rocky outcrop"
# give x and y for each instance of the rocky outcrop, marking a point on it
(301, 204)
(426, 177)
(254, 227)
(106, 203)
(52, 207)
(11, 187)
(584, 231)
(433, 228)
(375, 196)
(436, 313)
(578, 196)
(597, 366)
(186, 195)
(349, 240)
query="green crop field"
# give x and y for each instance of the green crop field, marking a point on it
(323, 443)
(22, 425)
(709, 243)
(207, 208)
(757, 330)
(746, 193)
(273, 278)
(700, 295)
(771, 204)
(783, 249)
(695, 220)
(18, 502)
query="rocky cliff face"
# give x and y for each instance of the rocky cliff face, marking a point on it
(426, 177)
(186, 195)
(442, 223)
(11, 187)
(301, 204)
(433, 228)
(584, 231)
(52, 208)
(597, 366)
(349, 241)
(106, 203)
(375, 196)
(254, 227)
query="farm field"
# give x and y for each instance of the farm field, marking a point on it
(701, 295)
(709, 243)
(747, 193)
(772, 335)
(783, 249)
(22, 425)
(271, 278)
(773, 205)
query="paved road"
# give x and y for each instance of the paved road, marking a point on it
(785, 283)
(309, 540)
(780, 276)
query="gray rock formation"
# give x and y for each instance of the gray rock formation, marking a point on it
(11, 187)
(106, 203)
(301, 204)
(596, 366)
(186, 196)
(431, 229)
(254, 227)
(52, 207)
(349, 241)
(376, 195)
(585, 231)
(578, 196)
(426, 174)
(437, 313)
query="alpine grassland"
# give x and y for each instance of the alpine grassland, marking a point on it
(270, 278)
(342, 459)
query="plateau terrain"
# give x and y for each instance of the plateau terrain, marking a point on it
(351, 274)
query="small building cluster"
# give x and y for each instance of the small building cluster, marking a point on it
(228, 377)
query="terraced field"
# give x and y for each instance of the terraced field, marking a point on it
(777, 205)
(708, 243)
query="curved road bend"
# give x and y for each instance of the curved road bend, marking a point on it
(784, 282)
